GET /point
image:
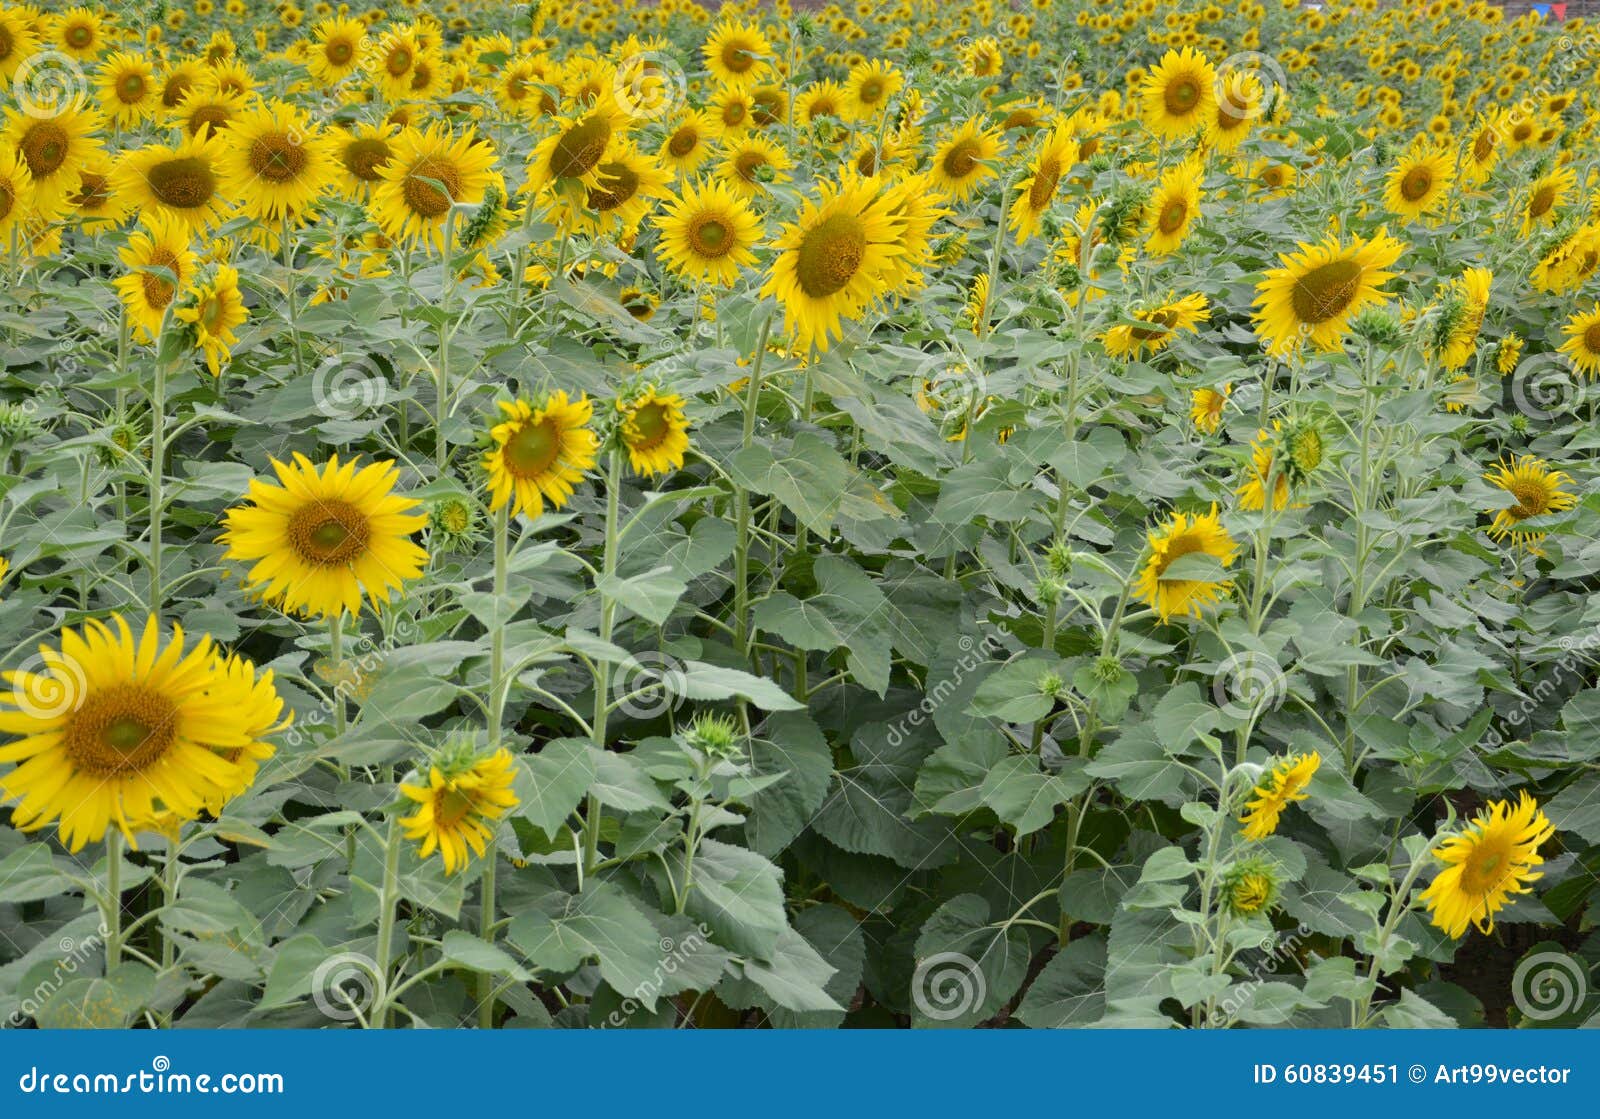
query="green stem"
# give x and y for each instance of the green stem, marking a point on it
(388, 900)
(497, 699)
(441, 386)
(602, 681)
(113, 906)
(158, 461)
(292, 296)
(336, 667)
(741, 552)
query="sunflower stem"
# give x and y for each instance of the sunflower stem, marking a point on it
(602, 672)
(486, 981)
(158, 459)
(113, 906)
(388, 899)
(336, 666)
(291, 295)
(741, 538)
(442, 380)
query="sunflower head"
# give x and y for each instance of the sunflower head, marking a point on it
(1283, 783)
(464, 791)
(1250, 887)
(539, 452)
(1490, 861)
(653, 430)
(1169, 584)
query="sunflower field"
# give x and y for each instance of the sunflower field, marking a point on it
(904, 514)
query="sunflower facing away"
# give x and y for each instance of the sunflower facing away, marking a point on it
(1538, 490)
(539, 453)
(654, 430)
(428, 171)
(1312, 297)
(1490, 861)
(465, 792)
(708, 234)
(1185, 534)
(321, 537)
(1461, 312)
(117, 729)
(1252, 492)
(1179, 94)
(1283, 784)
(1164, 322)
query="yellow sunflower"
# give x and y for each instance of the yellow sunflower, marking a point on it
(394, 62)
(18, 43)
(336, 50)
(55, 147)
(965, 159)
(1164, 321)
(1282, 785)
(752, 164)
(870, 87)
(732, 112)
(708, 233)
(1488, 863)
(16, 193)
(274, 162)
(1482, 150)
(1185, 534)
(1418, 182)
(1252, 492)
(539, 453)
(80, 33)
(428, 171)
(321, 537)
(688, 145)
(1178, 95)
(737, 52)
(1538, 491)
(1582, 346)
(183, 183)
(1174, 207)
(128, 91)
(1206, 407)
(205, 112)
(117, 729)
(1461, 311)
(213, 310)
(832, 261)
(629, 184)
(1056, 154)
(571, 154)
(655, 431)
(1239, 103)
(1313, 296)
(360, 154)
(1545, 194)
(160, 264)
(465, 792)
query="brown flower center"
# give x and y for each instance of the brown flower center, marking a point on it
(580, 148)
(431, 186)
(329, 533)
(158, 290)
(683, 141)
(276, 157)
(1045, 181)
(124, 729)
(1181, 96)
(710, 237)
(1173, 215)
(962, 159)
(183, 184)
(831, 255)
(620, 184)
(1416, 184)
(1324, 292)
(363, 156)
(44, 147)
(131, 89)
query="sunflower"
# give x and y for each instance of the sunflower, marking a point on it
(832, 261)
(160, 264)
(737, 52)
(869, 89)
(1582, 346)
(1239, 103)
(128, 88)
(521, 88)
(654, 430)
(688, 145)
(1544, 195)
(1568, 265)
(464, 793)
(428, 171)
(752, 164)
(394, 62)
(360, 154)
(1185, 534)
(181, 79)
(321, 537)
(1173, 207)
(206, 112)
(580, 143)
(18, 43)
(336, 51)
(1283, 784)
(183, 183)
(94, 204)
(539, 453)
(1461, 314)
(1178, 94)
(629, 183)
(822, 101)
(1164, 322)
(213, 309)
(707, 234)
(1056, 154)
(1508, 353)
(55, 148)
(1538, 491)
(965, 160)
(1206, 407)
(1313, 296)
(1418, 182)
(80, 33)
(16, 193)
(1482, 150)
(274, 162)
(1487, 863)
(1249, 887)
(1252, 492)
(118, 729)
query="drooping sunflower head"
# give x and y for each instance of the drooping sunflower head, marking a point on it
(465, 792)
(321, 537)
(117, 729)
(1056, 154)
(160, 264)
(1154, 328)
(1284, 783)
(1313, 295)
(1267, 467)
(1487, 864)
(1536, 490)
(1458, 316)
(571, 154)
(539, 453)
(1250, 887)
(214, 309)
(654, 430)
(1170, 588)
